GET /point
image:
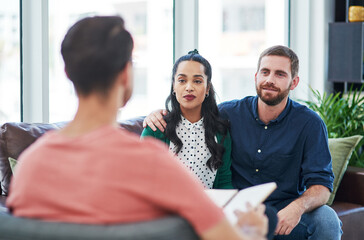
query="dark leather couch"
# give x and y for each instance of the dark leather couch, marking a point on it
(349, 201)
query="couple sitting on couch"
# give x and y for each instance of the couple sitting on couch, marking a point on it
(137, 181)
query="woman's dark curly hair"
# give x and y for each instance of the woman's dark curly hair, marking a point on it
(213, 124)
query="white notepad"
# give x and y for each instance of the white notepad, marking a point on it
(232, 199)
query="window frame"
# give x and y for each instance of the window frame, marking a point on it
(35, 50)
(34, 61)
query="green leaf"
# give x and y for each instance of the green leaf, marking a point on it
(343, 116)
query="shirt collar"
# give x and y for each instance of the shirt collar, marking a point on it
(187, 124)
(279, 118)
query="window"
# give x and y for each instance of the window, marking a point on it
(9, 61)
(229, 33)
(234, 37)
(151, 24)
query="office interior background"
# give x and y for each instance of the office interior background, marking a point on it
(229, 33)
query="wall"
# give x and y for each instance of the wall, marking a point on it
(309, 39)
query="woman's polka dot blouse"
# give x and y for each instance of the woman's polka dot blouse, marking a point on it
(194, 152)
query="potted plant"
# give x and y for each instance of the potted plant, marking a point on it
(343, 116)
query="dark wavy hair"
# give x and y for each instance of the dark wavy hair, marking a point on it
(95, 50)
(212, 122)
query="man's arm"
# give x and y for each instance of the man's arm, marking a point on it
(317, 173)
(314, 197)
(155, 120)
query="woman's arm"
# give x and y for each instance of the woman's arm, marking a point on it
(148, 132)
(223, 175)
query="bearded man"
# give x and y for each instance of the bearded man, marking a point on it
(277, 139)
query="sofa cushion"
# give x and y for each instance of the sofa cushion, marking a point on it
(341, 150)
(172, 227)
(12, 163)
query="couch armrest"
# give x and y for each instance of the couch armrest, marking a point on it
(351, 188)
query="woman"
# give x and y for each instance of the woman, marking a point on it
(195, 132)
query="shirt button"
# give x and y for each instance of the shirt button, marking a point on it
(256, 119)
(257, 170)
(266, 127)
(259, 151)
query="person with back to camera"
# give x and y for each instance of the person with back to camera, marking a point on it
(277, 139)
(92, 162)
(195, 132)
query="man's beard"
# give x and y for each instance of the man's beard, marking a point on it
(272, 101)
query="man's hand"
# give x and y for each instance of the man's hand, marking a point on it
(254, 222)
(288, 218)
(155, 120)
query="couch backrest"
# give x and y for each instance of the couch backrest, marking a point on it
(16, 137)
(170, 227)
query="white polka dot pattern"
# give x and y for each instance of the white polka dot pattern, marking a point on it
(194, 152)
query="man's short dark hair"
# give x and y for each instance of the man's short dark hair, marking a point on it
(283, 52)
(95, 50)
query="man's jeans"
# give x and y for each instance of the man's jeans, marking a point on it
(320, 224)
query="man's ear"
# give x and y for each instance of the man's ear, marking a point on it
(255, 77)
(295, 82)
(126, 75)
(65, 71)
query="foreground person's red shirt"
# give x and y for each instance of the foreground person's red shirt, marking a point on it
(106, 176)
